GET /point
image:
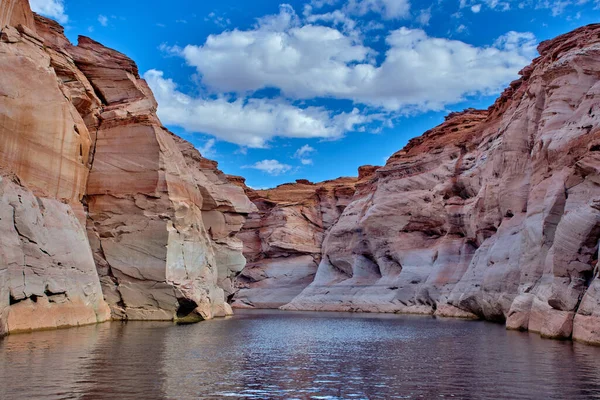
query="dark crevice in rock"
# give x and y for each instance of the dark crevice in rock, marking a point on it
(13, 300)
(186, 312)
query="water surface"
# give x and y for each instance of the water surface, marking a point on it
(273, 354)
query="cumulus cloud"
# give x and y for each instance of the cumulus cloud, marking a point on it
(318, 56)
(303, 154)
(303, 151)
(50, 8)
(424, 17)
(308, 61)
(556, 7)
(218, 20)
(248, 122)
(103, 20)
(389, 9)
(322, 3)
(271, 167)
(208, 149)
(336, 18)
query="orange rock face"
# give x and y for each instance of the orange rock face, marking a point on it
(100, 205)
(15, 13)
(494, 214)
(282, 241)
(47, 273)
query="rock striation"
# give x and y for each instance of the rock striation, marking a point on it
(100, 205)
(104, 213)
(282, 241)
(47, 273)
(494, 214)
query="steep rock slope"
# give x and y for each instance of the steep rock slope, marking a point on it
(47, 272)
(154, 204)
(81, 148)
(282, 241)
(494, 214)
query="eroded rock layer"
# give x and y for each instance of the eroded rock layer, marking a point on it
(99, 203)
(47, 273)
(282, 241)
(494, 214)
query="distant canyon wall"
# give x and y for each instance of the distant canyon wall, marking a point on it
(103, 212)
(282, 240)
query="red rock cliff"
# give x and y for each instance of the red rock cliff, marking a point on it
(81, 149)
(282, 241)
(493, 214)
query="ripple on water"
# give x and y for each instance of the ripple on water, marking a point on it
(272, 354)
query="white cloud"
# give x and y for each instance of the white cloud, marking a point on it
(306, 61)
(218, 20)
(323, 3)
(170, 50)
(208, 149)
(424, 17)
(512, 41)
(303, 151)
(389, 9)
(556, 7)
(271, 167)
(50, 8)
(248, 121)
(337, 18)
(103, 20)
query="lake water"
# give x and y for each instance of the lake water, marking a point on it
(273, 354)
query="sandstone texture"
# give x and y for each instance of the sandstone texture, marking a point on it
(282, 241)
(47, 273)
(494, 214)
(102, 210)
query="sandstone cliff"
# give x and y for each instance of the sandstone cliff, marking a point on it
(282, 241)
(47, 273)
(82, 151)
(494, 214)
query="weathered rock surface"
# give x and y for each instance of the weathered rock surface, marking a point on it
(47, 273)
(15, 13)
(99, 203)
(494, 214)
(282, 241)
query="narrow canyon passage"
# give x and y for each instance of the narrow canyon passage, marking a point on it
(441, 271)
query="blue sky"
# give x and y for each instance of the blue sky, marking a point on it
(282, 90)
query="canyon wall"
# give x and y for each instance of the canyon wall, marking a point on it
(282, 241)
(103, 212)
(494, 214)
(47, 272)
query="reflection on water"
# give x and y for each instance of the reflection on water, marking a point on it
(272, 354)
